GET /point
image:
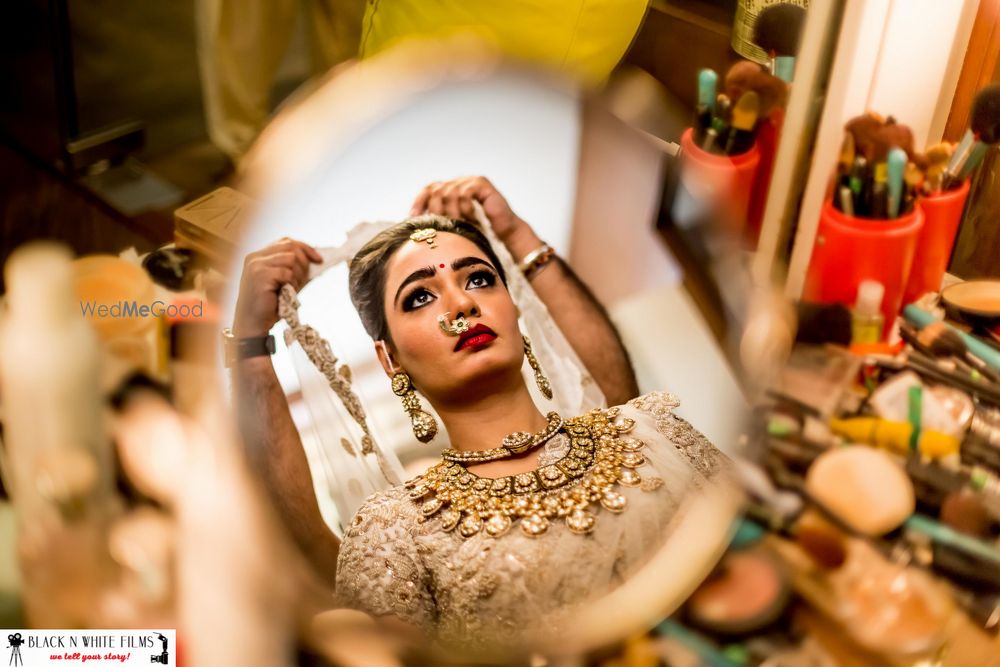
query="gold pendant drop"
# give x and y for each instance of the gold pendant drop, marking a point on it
(534, 525)
(497, 524)
(581, 521)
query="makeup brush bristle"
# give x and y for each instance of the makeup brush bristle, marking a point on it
(778, 29)
(875, 136)
(745, 76)
(985, 115)
(740, 78)
(941, 340)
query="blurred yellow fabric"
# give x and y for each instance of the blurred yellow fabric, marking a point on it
(584, 39)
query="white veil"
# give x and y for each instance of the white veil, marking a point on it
(353, 459)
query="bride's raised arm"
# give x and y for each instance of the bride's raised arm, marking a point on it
(273, 445)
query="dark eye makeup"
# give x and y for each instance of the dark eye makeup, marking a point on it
(480, 279)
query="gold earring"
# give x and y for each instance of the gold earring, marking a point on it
(540, 379)
(424, 426)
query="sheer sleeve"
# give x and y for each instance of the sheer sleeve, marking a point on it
(704, 458)
(380, 570)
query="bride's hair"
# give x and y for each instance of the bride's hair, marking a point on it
(366, 277)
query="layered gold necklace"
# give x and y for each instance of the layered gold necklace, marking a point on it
(570, 489)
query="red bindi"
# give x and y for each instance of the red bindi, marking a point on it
(441, 265)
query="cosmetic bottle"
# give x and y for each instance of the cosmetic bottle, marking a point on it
(866, 318)
(57, 450)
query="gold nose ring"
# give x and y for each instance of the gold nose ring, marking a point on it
(456, 327)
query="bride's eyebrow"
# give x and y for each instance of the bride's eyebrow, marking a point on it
(463, 262)
(419, 274)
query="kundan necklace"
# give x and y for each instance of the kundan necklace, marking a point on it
(515, 443)
(599, 460)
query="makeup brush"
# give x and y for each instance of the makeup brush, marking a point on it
(740, 78)
(845, 199)
(778, 31)
(976, 156)
(864, 129)
(984, 120)
(847, 153)
(877, 200)
(707, 82)
(943, 341)
(892, 135)
(985, 116)
(744, 120)
(921, 318)
(723, 107)
(745, 76)
(896, 164)
(936, 161)
(913, 176)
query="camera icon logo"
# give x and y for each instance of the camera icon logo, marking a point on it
(164, 657)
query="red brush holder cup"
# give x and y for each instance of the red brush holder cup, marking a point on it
(849, 250)
(942, 214)
(721, 184)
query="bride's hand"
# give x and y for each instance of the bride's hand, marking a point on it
(264, 272)
(454, 199)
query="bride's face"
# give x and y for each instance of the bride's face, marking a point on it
(457, 278)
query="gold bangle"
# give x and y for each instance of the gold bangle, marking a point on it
(536, 259)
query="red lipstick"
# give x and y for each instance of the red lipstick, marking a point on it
(476, 337)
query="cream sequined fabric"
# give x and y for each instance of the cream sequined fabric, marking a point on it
(480, 590)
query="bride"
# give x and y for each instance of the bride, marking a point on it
(527, 515)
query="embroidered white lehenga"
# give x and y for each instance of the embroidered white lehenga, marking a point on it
(482, 589)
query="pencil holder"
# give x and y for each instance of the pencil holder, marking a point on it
(849, 250)
(942, 215)
(718, 184)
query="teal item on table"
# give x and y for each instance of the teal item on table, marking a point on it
(944, 534)
(708, 653)
(747, 533)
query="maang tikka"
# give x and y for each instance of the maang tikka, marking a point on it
(423, 424)
(540, 379)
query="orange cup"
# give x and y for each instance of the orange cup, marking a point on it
(942, 214)
(721, 184)
(849, 250)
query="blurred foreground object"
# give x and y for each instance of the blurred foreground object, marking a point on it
(58, 455)
(583, 40)
(241, 46)
(178, 536)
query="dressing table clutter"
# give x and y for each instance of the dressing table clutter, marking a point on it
(872, 534)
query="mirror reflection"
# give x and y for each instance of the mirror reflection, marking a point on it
(520, 309)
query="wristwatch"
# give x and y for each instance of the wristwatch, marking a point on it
(236, 349)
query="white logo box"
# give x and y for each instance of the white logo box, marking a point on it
(30, 648)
